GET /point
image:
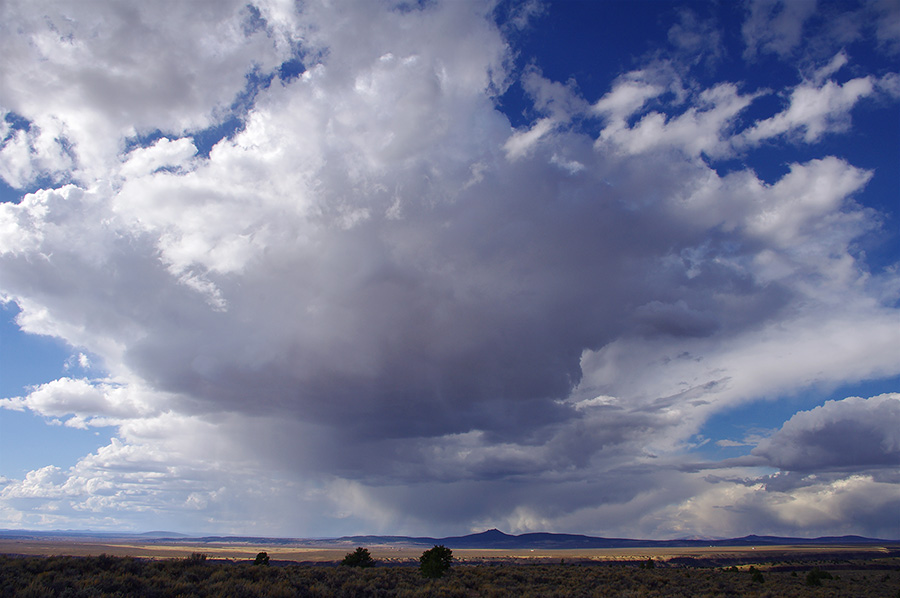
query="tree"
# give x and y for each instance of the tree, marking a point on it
(262, 559)
(435, 561)
(358, 558)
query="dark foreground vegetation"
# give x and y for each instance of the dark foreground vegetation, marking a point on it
(104, 575)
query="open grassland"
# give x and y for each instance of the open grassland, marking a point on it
(152, 550)
(776, 574)
(400, 553)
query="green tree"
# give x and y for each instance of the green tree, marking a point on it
(435, 561)
(358, 558)
(262, 559)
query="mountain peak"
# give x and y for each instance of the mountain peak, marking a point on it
(492, 533)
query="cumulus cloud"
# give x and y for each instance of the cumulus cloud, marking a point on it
(702, 129)
(728, 507)
(90, 95)
(30, 152)
(376, 293)
(815, 110)
(854, 433)
(834, 460)
(103, 401)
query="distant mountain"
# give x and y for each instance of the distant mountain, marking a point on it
(495, 539)
(781, 541)
(490, 539)
(59, 533)
(163, 535)
(84, 534)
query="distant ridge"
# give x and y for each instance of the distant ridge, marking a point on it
(495, 539)
(490, 539)
(163, 535)
(87, 534)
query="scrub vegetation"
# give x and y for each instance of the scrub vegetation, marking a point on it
(358, 558)
(108, 576)
(434, 563)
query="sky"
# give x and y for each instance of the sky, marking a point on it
(312, 269)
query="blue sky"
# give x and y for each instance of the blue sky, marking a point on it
(616, 268)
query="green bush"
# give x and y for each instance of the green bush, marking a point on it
(434, 562)
(648, 564)
(815, 577)
(358, 558)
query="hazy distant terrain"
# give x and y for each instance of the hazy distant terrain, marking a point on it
(492, 539)
(491, 545)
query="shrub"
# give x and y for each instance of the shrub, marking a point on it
(435, 561)
(815, 577)
(358, 558)
(262, 559)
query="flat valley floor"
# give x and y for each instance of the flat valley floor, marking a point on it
(115, 568)
(399, 554)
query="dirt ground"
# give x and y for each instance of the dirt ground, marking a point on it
(401, 554)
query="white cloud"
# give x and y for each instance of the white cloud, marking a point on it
(735, 509)
(814, 110)
(164, 153)
(808, 199)
(104, 402)
(702, 129)
(193, 61)
(731, 443)
(27, 154)
(629, 94)
(521, 142)
(823, 73)
(560, 102)
(521, 14)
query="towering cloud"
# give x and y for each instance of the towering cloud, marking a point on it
(372, 298)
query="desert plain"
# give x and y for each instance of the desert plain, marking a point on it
(409, 553)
